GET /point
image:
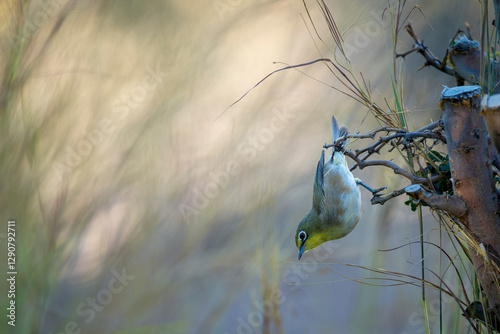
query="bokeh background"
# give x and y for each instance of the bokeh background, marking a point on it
(144, 206)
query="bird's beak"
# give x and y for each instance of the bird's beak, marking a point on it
(301, 250)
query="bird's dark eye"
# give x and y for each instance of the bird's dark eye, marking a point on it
(302, 236)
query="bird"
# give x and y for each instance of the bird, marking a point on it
(336, 204)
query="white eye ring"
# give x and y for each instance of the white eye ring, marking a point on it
(302, 235)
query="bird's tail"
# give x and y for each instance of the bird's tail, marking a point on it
(338, 133)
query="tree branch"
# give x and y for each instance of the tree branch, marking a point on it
(411, 135)
(432, 126)
(369, 135)
(402, 137)
(382, 199)
(451, 204)
(397, 170)
(430, 59)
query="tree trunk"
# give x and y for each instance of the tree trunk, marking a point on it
(473, 182)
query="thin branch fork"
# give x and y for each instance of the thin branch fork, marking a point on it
(451, 204)
(375, 148)
(430, 59)
(411, 135)
(369, 135)
(425, 132)
(401, 134)
(397, 169)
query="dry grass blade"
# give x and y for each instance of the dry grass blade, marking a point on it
(445, 253)
(332, 26)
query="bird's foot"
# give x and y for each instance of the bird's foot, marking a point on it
(375, 192)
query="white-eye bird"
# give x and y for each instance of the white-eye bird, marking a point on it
(336, 206)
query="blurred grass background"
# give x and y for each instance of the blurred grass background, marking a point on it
(109, 125)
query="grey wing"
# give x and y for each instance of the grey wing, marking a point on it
(318, 184)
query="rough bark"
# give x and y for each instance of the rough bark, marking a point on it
(472, 179)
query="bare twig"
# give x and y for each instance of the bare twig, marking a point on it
(400, 133)
(375, 148)
(411, 135)
(432, 126)
(399, 137)
(267, 76)
(368, 135)
(430, 59)
(382, 199)
(397, 169)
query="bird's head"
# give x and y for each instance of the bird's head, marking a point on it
(309, 234)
